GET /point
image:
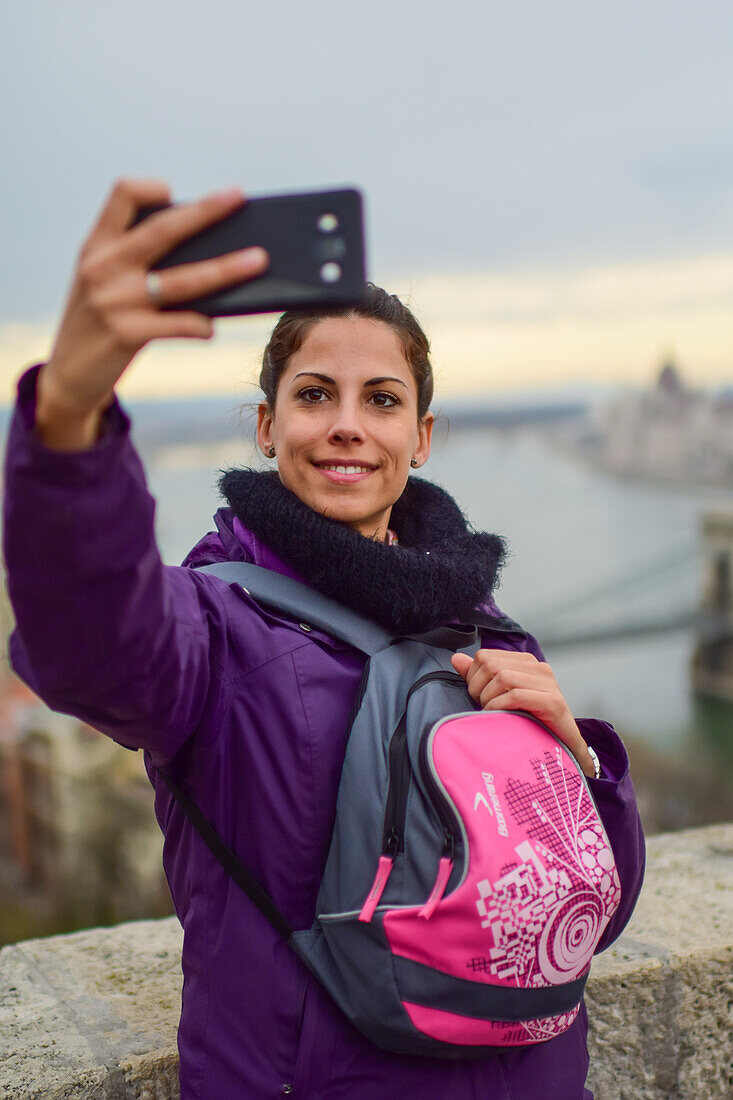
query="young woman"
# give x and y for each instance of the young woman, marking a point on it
(246, 709)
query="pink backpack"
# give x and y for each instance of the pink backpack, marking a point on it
(537, 887)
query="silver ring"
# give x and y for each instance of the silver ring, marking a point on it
(596, 762)
(154, 287)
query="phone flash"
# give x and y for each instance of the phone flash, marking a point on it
(331, 273)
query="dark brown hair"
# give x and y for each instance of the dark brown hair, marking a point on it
(293, 327)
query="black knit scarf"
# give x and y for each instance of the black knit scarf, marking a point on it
(439, 572)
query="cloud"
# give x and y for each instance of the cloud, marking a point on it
(489, 331)
(606, 323)
(228, 364)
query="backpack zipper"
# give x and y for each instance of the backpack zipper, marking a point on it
(397, 792)
(394, 816)
(399, 773)
(447, 820)
(396, 808)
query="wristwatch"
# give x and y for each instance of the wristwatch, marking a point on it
(596, 761)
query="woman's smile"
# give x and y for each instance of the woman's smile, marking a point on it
(345, 472)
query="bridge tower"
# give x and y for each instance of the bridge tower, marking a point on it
(712, 662)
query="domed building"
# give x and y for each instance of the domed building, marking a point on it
(669, 432)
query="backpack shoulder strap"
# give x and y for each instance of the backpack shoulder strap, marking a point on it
(498, 624)
(303, 602)
(243, 878)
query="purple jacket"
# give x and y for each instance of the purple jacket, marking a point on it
(248, 712)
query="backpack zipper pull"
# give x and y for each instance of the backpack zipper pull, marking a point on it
(384, 870)
(445, 866)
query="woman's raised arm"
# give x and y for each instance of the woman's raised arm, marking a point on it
(104, 630)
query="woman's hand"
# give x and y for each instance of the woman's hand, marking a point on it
(501, 680)
(109, 315)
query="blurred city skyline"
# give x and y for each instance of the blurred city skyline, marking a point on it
(550, 188)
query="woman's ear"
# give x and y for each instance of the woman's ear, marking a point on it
(264, 427)
(425, 435)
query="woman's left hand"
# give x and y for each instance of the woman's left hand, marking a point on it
(507, 680)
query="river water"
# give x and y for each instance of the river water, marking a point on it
(586, 550)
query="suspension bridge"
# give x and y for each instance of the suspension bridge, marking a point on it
(566, 623)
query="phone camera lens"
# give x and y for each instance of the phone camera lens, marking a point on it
(330, 248)
(331, 273)
(327, 223)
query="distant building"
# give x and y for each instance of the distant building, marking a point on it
(669, 433)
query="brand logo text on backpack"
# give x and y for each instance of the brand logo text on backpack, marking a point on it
(480, 800)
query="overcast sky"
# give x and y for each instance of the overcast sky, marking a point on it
(512, 156)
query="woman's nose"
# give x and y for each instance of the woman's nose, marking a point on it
(346, 426)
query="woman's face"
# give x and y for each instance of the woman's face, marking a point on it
(345, 425)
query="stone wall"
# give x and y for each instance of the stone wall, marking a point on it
(94, 1014)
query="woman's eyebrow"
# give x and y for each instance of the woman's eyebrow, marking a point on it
(379, 381)
(314, 374)
(332, 381)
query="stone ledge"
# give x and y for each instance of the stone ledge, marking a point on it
(94, 1014)
(659, 999)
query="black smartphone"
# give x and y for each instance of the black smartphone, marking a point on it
(315, 241)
